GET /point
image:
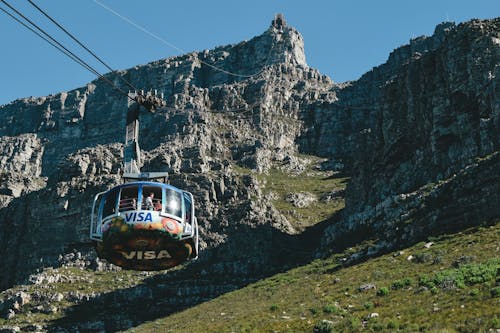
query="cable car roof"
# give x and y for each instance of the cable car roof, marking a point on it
(147, 183)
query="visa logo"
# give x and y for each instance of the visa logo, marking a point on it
(138, 217)
(146, 255)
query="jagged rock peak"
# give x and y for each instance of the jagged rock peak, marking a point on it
(289, 43)
(280, 43)
(279, 21)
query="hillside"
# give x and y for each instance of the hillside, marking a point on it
(447, 284)
(444, 284)
(288, 170)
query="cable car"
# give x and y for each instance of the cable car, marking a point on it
(143, 224)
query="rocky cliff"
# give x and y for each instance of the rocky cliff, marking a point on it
(419, 137)
(426, 156)
(60, 150)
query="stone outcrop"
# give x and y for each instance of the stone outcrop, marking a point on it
(20, 165)
(428, 120)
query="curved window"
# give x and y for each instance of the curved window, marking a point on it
(151, 198)
(128, 198)
(109, 207)
(188, 207)
(173, 203)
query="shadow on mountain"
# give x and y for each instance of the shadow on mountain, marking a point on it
(36, 227)
(163, 295)
(217, 271)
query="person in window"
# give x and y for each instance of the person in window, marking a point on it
(158, 205)
(127, 203)
(149, 201)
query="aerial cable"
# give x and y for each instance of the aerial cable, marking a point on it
(243, 110)
(62, 48)
(93, 71)
(48, 41)
(78, 42)
(178, 48)
(74, 56)
(236, 110)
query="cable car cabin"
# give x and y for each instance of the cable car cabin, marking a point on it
(145, 226)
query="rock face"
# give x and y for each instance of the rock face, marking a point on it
(426, 155)
(419, 136)
(21, 165)
(229, 108)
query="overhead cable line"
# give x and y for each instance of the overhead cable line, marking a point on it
(245, 109)
(73, 57)
(61, 47)
(45, 39)
(82, 63)
(126, 19)
(78, 42)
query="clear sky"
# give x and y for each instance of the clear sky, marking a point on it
(343, 39)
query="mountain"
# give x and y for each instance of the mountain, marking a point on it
(272, 155)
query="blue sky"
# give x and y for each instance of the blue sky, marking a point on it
(343, 39)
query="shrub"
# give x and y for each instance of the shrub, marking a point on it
(422, 257)
(377, 327)
(368, 305)
(480, 273)
(330, 308)
(495, 323)
(495, 292)
(384, 291)
(468, 274)
(392, 324)
(462, 261)
(426, 281)
(273, 307)
(354, 323)
(474, 292)
(437, 259)
(323, 326)
(398, 284)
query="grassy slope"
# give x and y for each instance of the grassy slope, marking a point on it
(315, 182)
(72, 280)
(311, 180)
(405, 298)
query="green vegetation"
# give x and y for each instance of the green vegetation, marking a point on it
(460, 277)
(331, 308)
(72, 281)
(452, 285)
(278, 184)
(324, 326)
(384, 291)
(495, 292)
(320, 298)
(318, 183)
(402, 283)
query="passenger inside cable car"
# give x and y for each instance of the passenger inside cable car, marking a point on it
(128, 198)
(152, 198)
